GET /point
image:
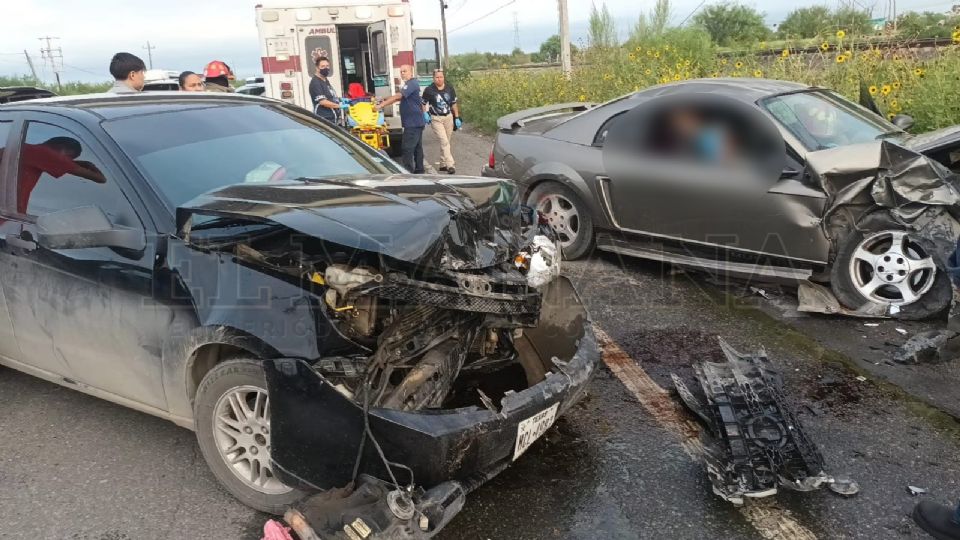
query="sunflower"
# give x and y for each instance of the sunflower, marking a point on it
(824, 46)
(738, 65)
(785, 53)
(647, 71)
(894, 105)
(714, 75)
(686, 63)
(632, 56)
(918, 72)
(723, 61)
(890, 116)
(849, 54)
(841, 34)
(679, 65)
(885, 89)
(758, 74)
(873, 90)
(656, 54)
(676, 77)
(582, 97)
(841, 58)
(896, 85)
(955, 36)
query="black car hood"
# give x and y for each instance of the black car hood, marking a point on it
(443, 222)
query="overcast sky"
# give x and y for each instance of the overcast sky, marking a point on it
(189, 33)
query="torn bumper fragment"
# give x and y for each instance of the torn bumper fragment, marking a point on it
(757, 443)
(317, 431)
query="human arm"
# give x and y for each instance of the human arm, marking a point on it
(389, 101)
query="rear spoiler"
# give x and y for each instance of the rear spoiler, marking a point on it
(516, 120)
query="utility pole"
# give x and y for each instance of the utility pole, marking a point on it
(55, 56)
(150, 49)
(516, 31)
(565, 39)
(443, 26)
(33, 70)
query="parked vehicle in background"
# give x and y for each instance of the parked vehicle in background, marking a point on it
(160, 80)
(12, 94)
(608, 176)
(308, 288)
(252, 89)
(366, 43)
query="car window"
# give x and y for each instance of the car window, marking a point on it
(187, 152)
(601, 136)
(822, 120)
(5, 126)
(379, 53)
(58, 171)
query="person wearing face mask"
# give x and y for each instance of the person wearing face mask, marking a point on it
(326, 103)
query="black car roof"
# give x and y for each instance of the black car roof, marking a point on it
(113, 106)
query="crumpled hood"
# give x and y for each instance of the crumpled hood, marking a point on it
(443, 222)
(891, 175)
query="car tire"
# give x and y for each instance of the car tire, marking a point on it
(568, 215)
(226, 387)
(850, 275)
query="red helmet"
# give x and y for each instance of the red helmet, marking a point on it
(217, 68)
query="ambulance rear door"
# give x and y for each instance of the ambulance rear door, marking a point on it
(426, 54)
(381, 60)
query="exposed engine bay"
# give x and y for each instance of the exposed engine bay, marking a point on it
(417, 330)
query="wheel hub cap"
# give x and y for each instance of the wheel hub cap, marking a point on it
(890, 268)
(242, 433)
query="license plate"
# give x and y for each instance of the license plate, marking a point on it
(532, 428)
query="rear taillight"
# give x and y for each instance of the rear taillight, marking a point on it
(493, 161)
(286, 86)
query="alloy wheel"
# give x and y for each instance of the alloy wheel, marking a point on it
(562, 215)
(241, 426)
(890, 268)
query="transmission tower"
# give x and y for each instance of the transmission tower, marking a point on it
(516, 31)
(52, 57)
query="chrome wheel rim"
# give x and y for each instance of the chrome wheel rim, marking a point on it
(562, 215)
(890, 268)
(241, 429)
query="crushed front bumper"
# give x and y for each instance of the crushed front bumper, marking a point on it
(316, 431)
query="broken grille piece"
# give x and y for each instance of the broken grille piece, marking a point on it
(756, 441)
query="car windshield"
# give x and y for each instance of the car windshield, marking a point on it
(822, 119)
(185, 152)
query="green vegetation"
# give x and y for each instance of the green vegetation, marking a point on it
(730, 24)
(66, 89)
(923, 84)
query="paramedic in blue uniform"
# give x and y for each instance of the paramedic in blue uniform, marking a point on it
(413, 118)
(326, 103)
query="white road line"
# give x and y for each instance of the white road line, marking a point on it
(769, 519)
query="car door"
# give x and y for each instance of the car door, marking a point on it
(747, 211)
(86, 314)
(9, 350)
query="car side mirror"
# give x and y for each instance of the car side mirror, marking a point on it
(903, 121)
(85, 227)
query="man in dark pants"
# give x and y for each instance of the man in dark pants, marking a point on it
(413, 118)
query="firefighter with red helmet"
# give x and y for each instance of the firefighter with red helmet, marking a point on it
(217, 77)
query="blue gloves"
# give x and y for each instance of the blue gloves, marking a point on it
(426, 117)
(344, 104)
(457, 123)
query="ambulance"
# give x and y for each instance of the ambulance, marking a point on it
(366, 42)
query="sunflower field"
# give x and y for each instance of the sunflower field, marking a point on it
(924, 83)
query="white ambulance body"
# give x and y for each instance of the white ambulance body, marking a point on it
(366, 42)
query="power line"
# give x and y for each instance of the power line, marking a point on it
(692, 12)
(478, 19)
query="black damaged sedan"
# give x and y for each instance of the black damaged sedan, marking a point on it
(243, 269)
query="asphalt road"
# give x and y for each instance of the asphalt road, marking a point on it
(622, 464)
